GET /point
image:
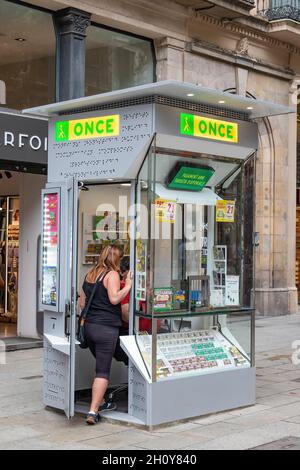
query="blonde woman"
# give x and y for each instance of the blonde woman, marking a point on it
(103, 320)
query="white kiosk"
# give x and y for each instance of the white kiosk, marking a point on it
(166, 171)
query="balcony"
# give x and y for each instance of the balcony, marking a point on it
(220, 8)
(283, 17)
(277, 10)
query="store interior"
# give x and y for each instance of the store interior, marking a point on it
(9, 257)
(20, 228)
(9, 251)
(102, 220)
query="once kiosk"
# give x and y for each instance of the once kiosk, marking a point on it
(166, 170)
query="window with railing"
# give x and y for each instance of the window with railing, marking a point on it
(280, 9)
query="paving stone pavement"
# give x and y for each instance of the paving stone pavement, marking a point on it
(273, 423)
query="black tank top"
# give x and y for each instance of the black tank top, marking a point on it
(102, 311)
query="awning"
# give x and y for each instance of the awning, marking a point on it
(206, 197)
(171, 89)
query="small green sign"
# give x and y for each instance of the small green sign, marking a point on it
(190, 178)
(62, 131)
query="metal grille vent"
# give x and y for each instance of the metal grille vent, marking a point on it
(167, 101)
(202, 108)
(113, 105)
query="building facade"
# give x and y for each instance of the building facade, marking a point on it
(58, 50)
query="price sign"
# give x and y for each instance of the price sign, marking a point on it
(225, 211)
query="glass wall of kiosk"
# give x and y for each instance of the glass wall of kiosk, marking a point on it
(190, 297)
(166, 173)
(193, 320)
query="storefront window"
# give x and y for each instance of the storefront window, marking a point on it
(27, 56)
(9, 257)
(115, 61)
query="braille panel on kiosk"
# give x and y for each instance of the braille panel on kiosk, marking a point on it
(162, 171)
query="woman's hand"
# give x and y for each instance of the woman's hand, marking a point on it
(128, 281)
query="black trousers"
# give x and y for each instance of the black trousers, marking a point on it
(102, 341)
(120, 355)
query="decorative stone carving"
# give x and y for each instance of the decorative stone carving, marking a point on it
(73, 21)
(242, 47)
(256, 35)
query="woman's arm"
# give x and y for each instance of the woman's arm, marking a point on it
(125, 313)
(112, 284)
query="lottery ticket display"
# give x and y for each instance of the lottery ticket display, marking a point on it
(192, 352)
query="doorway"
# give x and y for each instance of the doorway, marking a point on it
(103, 219)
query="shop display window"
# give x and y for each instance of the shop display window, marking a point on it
(190, 312)
(9, 257)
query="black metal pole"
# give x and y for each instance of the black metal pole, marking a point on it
(71, 25)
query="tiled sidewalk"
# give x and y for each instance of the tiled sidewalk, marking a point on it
(276, 415)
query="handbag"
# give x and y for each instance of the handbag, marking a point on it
(81, 337)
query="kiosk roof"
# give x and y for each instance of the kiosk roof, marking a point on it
(171, 89)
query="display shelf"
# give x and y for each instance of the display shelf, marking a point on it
(195, 352)
(185, 314)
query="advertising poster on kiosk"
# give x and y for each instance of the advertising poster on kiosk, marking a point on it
(50, 249)
(225, 211)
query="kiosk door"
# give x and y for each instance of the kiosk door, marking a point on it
(59, 293)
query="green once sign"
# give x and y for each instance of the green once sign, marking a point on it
(208, 128)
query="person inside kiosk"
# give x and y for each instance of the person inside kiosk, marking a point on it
(103, 320)
(119, 354)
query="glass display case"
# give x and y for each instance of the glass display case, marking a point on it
(192, 316)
